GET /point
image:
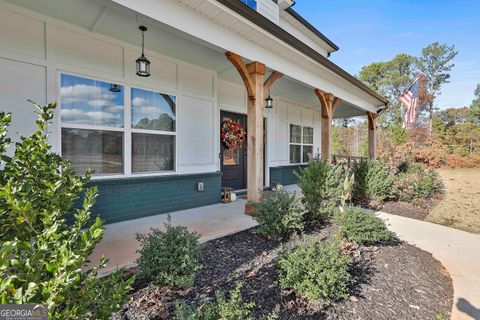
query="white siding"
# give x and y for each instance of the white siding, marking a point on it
(195, 144)
(269, 9)
(20, 81)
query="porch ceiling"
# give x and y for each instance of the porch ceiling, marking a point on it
(108, 18)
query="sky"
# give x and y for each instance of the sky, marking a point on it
(377, 30)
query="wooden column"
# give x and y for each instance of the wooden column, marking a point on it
(327, 102)
(255, 146)
(372, 140)
(253, 76)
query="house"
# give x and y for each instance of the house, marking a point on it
(155, 141)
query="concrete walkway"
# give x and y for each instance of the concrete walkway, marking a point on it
(119, 244)
(457, 250)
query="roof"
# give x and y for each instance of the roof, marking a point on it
(310, 27)
(288, 38)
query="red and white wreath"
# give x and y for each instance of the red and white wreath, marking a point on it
(232, 134)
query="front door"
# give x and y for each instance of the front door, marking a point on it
(234, 161)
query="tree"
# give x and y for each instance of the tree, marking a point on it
(42, 256)
(390, 78)
(435, 63)
(475, 106)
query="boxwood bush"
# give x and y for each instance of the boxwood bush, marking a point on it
(278, 213)
(372, 181)
(317, 271)
(322, 188)
(169, 257)
(362, 227)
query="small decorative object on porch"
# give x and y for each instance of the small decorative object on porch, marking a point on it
(232, 134)
(227, 195)
(276, 186)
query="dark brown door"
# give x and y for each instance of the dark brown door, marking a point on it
(234, 161)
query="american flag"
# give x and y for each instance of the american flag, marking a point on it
(410, 100)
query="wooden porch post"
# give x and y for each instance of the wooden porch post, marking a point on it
(255, 133)
(372, 140)
(253, 76)
(328, 103)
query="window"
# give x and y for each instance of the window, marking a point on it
(153, 131)
(251, 3)
(301, 144)
(92, 118)
(95, 129)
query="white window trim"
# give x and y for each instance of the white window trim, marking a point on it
(126, 129)
(301, 144)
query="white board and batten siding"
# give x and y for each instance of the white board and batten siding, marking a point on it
(33, 56)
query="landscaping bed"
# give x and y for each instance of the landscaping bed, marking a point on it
(397, 281)
(405, 209)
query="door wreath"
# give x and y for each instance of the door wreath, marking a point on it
(232, 134)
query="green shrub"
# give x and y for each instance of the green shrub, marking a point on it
(169, 257)
(322, 188)
(278, 214)
(232, 308)
(315, 271)
(362, 227)
(41, 255)
(372, 181)
(415, 183)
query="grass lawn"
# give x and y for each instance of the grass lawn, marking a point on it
(461, 207)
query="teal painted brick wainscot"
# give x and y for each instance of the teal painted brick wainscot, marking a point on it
(136, 197)
(284, 175)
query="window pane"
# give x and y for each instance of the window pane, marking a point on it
(101, 151)
(295, 134)
(295, 153)
(307, 153)
(152, 152)
(231, 157)
(91, 102)
(307, 135)
(153, 110)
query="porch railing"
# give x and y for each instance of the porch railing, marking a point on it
(344, 159)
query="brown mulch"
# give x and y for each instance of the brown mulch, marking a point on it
(391, 282)
(418, 211)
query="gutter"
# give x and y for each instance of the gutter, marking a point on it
(286, 37)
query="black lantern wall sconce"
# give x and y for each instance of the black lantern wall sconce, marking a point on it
(269, 102)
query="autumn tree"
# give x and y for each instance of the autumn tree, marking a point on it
(390, 78)
(435, 63)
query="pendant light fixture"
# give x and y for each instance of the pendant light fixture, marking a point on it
(269, 102)
(143, 65)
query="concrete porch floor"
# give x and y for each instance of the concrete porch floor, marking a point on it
(119, 244)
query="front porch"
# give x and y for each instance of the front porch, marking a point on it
(204, 71)
(211, 222)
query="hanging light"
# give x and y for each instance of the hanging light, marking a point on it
(269, 102)
(115, 87)
(143, 65)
